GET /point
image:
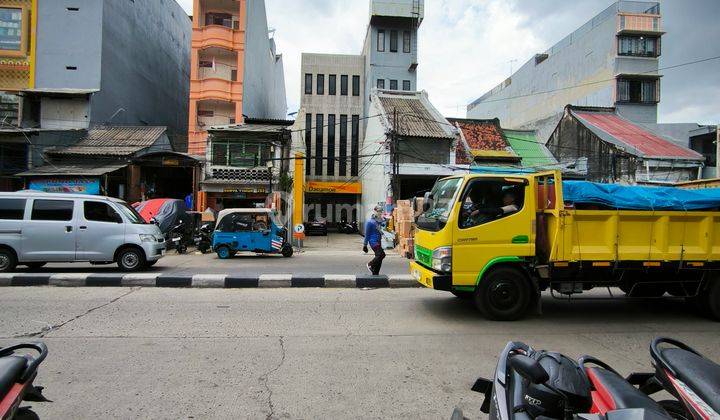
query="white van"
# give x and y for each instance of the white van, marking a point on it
(37, 228)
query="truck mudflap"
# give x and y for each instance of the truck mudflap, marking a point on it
(429, 278)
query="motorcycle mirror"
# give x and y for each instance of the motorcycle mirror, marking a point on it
(529, 369)
(427, 201)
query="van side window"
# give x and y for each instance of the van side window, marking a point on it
(488, 200)
(61, 210)
(12, 208)
(96, 211)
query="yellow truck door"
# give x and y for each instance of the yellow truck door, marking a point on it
(494, 222)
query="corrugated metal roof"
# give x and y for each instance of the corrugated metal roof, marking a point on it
(77, 168)
(634, 139)
(113, 141)
(533, 153)
(416, 116)
(250, 128)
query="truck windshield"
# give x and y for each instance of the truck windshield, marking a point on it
(443, 196)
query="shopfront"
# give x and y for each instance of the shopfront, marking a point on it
(332, 201)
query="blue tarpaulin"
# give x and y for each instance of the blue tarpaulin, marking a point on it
(640, 198)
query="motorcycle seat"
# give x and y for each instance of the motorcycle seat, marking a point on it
(697, 372)
(617, 393)
(11, 368)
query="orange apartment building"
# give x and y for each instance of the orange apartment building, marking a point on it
(216, 70)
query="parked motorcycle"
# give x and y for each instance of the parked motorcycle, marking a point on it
(530, 384)
(177, 238)
(17, 373)
(688, 376)
(203, 238)
(344, 226)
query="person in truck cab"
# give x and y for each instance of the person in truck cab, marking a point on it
(478, 211)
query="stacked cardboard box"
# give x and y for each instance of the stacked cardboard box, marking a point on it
(404, 220)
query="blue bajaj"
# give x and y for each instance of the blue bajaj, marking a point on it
(249, 230)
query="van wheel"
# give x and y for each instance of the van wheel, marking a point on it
(130, 259)
(223, 252)
(503, 294)
(8, 261)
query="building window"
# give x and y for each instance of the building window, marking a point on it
(393, 85)
(381, 83)
(233, 75)
(381, 40)
(406, 42)
(639, 46)
(356, 86)
(344, 85)
(393, 41)
(320, 84)
(11, 29)
(205, 113)
(319, 128)
(222, 19)
(355, 146)
(308, 84)
(308, 142)
(638, 91)
(331, 145)
(406, 85)
(342, 164)
(13, 158)
(240, 154)
(332, 82)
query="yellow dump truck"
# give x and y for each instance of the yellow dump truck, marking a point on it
(502, 239)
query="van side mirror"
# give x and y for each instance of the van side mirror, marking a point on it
(427, 201)
(529, 369)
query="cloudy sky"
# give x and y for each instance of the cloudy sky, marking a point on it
(469, 46)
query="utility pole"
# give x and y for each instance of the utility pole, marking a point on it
(394, 158)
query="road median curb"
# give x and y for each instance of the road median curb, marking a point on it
(206, 281)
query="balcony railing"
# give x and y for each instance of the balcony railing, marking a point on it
(218, 36)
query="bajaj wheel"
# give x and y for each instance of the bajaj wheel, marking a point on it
(503, 294)
(287, 251)
(223, 252)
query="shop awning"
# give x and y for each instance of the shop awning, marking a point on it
(75, 169)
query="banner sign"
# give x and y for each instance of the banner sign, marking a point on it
(333, 187)
(66, 185)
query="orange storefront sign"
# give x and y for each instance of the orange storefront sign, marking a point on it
(334, 187)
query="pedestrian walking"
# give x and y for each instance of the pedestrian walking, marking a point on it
(373, 237)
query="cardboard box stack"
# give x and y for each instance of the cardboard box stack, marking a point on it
(404, 221)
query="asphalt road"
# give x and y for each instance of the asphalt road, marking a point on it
(303, 353)
(334, 254)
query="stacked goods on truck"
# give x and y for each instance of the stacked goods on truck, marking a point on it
(502, 239)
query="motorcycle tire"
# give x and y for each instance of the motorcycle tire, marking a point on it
(181, 249)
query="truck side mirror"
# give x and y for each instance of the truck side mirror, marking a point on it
(529, 369)
(427, 201)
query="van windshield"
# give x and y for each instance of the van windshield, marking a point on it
(130, 213)
(443, 196)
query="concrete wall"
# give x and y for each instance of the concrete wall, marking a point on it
(585, 60)
(389, 65)
(69, 38)
(376, 175)
(145, 66)
(64, 113)
(326, 104)
(137, 53)
(262, 95)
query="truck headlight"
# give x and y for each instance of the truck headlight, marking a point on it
(147, 238)
(442, 259)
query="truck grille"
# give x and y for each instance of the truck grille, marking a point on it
(423, 256)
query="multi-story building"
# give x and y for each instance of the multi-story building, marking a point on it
(78, 64)
(611, 61)
(235, 70)
(335, 100)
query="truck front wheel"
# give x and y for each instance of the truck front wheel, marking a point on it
(503, 294)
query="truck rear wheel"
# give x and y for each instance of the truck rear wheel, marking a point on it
(503, 294)
(711, 300)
